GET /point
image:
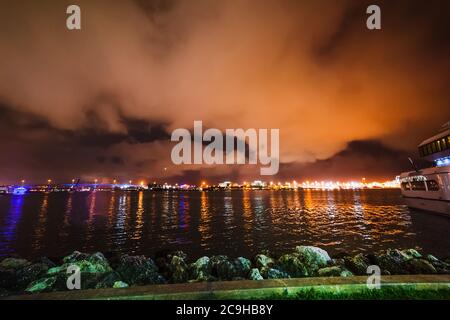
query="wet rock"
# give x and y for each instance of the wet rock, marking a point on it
(221, 267)
(48, 262)
(276, 274)
(346, 273)
(242, 266)
(420, 266)
(30, 273)
(98, 259)
(168, 261)
(179, 269)
(120, 285)
(75, 256)
(201, 270)
(225, 270)
(432, 258)
(411, 253)
(14, 263)
(312, 258)
(203, 264)
(215, 260)
(263, 261)
(138, 270)
(358, 264)
(440, 266)
(292, 265)
(94, 263)
(42, 285)
(392, 261)
(8, 272)
(335, 271)
(255, 275)
(108, 281)
(179, 254)
(337, 262)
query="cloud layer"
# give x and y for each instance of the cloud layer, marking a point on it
(139, 69)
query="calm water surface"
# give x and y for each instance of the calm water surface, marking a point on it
(223, 222)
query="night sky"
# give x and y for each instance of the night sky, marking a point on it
(102, 102)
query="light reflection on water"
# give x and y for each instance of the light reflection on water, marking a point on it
(228, 222)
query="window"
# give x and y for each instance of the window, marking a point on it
(405, 186)
(433, 147)
(443, 144)
(418, 185)
(432, 185)
(438, 145)
(429, 149)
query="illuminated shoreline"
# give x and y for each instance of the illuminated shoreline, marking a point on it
(227, 185)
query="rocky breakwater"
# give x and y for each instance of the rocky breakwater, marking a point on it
(20, 276)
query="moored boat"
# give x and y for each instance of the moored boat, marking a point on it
(429, 189)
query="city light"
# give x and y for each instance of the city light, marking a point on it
(443, 161)
(255, 185)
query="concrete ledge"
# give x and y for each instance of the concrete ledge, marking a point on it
(245, 289)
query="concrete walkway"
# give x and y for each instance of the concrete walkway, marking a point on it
(245, 289)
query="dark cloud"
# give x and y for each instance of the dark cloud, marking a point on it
(369, 159)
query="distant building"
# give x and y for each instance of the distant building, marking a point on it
(226, 184)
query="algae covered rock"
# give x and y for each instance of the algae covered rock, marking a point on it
(420, 266)
(75, 256)
(411, 253)
(392, 261)
(172, 264)
(8, 272)
(108, 280)
(255, 275)
(441, 267)
(358, 264)
(120, 285)
(334, 271)
(179, 270)
(138, 270)
(94, 263)
(222, 267)
(225, 270)
(42, 285)
(263, 261)
(201, 270)
(276, 274)
(31, 273)
(313, 258)
(14, 263)
(242, 266)
(292, 265)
